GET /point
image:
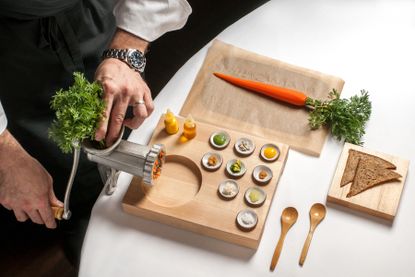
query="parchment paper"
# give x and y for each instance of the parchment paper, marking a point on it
(217, 102)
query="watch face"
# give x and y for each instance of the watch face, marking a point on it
(136, 60)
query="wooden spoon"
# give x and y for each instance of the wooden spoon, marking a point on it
(288, 218)
(317, 214)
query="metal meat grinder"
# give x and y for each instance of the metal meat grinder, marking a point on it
(139, 160)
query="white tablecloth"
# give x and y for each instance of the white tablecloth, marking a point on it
(371, 45)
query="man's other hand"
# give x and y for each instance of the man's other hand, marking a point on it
(25, 185)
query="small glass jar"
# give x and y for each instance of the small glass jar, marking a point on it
(170, 123)
(189, 127)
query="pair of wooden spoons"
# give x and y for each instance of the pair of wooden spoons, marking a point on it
(288, 218)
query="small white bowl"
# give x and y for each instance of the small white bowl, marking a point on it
(235, 174)
(205, 161)
(273, 158)
(227, 139)
(247, 219)
(261, 194)
(256, 174)
(244, 146)
(227, 185)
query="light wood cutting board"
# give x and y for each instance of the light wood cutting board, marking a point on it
(186, 195)
(382, 200)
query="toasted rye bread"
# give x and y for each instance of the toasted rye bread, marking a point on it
(370, 174)
(352, 161)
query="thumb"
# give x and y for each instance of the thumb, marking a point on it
(53, 200)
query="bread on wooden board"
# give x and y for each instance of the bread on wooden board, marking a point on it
(370, 174)
(352, 161)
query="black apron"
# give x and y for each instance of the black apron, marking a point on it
(41, 43)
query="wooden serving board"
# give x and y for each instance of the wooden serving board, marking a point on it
(185, 195)
(382, 200)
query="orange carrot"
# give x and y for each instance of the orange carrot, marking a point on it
(283, 94)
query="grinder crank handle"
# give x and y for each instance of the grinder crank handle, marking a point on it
(64, 212)
(57, 212)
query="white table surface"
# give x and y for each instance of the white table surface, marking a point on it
(371, 45)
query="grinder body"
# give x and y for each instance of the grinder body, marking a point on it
(139, 160)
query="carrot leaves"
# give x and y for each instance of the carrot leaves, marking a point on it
(346, 118)
(78, 112)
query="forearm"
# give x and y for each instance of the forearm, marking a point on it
(9, 147)
(123, 39)
(4, 141)
(7, 141)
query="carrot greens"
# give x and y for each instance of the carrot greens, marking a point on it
(346, 118)
(79, 109)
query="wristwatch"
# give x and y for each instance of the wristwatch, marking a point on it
(133, 57)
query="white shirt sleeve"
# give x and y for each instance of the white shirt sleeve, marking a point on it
(3, 119)
(150, 19)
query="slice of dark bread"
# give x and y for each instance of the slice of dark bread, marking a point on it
(370, 174)
(352, 161)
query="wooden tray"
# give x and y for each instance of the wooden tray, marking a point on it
(381, 201)
(185, 196)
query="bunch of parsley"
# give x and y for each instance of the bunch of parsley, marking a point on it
(78, 112)
(345, 117)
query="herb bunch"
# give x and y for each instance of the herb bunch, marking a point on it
(345, 117)
(78, 112)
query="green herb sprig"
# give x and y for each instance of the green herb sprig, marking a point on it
(345, 117)
(79, 109)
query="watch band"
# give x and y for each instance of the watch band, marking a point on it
(133, 57)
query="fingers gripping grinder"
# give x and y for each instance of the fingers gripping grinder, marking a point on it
(139, 160)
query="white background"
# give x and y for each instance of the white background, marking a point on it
(369, 44)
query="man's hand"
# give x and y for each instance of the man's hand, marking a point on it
(123, 87)
(25, 185)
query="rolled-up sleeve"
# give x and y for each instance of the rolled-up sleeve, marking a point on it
(150, 19)
(3, 119)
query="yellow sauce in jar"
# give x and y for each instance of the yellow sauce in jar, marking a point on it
(189, 127)
(170, 123)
